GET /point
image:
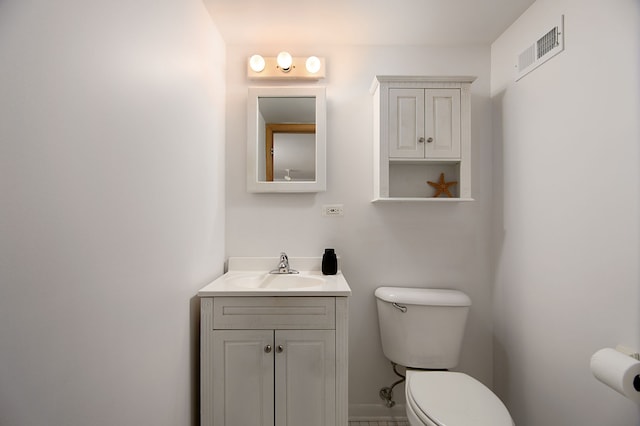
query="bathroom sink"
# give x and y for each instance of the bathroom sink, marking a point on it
(251, 277)
(276, 281)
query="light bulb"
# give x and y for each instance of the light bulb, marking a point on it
(313, 64)
(257, 63)
(285, 61)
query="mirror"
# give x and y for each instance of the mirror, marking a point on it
(286, 140)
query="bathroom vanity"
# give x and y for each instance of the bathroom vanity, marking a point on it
(274, 347)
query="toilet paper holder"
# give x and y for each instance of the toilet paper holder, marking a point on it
(635, 355)
(618, 369)
(628, 351)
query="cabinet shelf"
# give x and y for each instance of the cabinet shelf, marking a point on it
(420, 200)
(423, 161)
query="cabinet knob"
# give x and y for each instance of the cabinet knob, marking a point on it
(267, 349)
(429, 140)
(279, 349)
(421, 140)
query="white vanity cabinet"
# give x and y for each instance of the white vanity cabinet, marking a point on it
(422, 128)
(274, 361)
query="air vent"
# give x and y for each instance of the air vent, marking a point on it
(548, 42)
(527, 57)
(545, 48)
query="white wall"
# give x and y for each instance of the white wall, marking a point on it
(401, 244)
(567, 232)
(112, 208)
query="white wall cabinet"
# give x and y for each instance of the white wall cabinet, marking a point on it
(274, 361)
(421, 129)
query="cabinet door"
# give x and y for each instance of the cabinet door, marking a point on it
(442, 123)
(243, 378)
(406, 123)
(305, 377)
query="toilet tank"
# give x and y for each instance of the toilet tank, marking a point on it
(422, 328)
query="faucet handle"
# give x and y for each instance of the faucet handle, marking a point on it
(283, 266)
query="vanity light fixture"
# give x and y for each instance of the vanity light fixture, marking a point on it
(257, 63)
(313, 64)
(285, 66)
(285, 61)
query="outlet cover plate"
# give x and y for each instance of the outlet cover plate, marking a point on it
(333, 210)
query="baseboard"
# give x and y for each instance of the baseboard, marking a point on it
(376, 412)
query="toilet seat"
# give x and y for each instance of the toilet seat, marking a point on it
(443, 398)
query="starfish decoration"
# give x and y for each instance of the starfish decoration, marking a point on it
(441, 186)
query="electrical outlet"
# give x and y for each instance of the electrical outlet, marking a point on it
(333, 210)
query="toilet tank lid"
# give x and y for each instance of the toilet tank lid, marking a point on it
(423, 296)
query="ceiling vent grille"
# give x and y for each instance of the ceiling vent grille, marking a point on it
(545, 48)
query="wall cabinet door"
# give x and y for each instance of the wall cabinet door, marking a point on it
(243, 378)
(305, 377)
(442, 123)
(424, 123)
(406, 123)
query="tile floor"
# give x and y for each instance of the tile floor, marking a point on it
(378, 423)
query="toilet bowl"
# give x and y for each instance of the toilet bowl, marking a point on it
(443, 398)
(422, 329)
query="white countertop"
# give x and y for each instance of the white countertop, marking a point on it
(249, 276)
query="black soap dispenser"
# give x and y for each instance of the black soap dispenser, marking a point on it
(329, 262)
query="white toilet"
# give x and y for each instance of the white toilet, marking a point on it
(422, 329)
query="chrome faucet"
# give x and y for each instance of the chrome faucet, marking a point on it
(283, 266)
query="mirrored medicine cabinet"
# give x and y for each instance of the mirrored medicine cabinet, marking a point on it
(286, 139)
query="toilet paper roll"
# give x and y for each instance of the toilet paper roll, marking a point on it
(618, 371)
